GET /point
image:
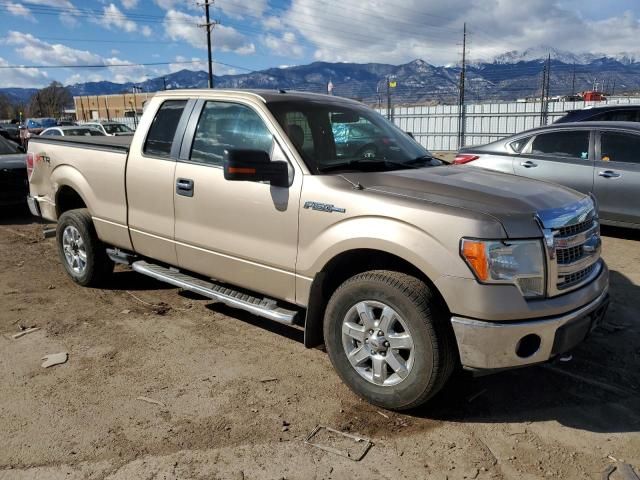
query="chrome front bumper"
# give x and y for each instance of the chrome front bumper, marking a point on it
(487, 345)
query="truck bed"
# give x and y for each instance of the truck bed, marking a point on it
(92, 168)
(119, 143)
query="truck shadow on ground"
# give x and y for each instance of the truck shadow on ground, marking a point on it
(294, 333)
(18, 215)
(619, 232)
(598, 390)
(130, 280)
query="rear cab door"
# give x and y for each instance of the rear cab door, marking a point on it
(561, 156)
(150, 177)
(617, 175)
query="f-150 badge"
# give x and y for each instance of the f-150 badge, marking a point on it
(323, 207)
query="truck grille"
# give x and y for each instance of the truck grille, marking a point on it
(575, 229)
(573, 246)
(569, 255)
(576, 278)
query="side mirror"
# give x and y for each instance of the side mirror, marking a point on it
(255, 166)
(22, 149)
(410, 134)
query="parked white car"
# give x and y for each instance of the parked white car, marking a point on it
(72, 131)
(111, 128)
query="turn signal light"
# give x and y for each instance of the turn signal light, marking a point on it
(475, 254)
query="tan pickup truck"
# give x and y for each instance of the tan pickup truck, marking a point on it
(315, 211)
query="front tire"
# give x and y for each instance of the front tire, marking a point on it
(388, 338)
(83, 255)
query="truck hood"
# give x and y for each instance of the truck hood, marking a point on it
(513, 201)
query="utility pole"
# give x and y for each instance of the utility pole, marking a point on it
(164, 83)
(388, 99)
(208, 26)
(573, 80)
(544, 97)
(461, 105)
(613, 88)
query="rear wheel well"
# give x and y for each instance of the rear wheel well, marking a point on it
(338, 270)
(68, 199)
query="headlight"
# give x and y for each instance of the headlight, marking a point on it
(518, 262)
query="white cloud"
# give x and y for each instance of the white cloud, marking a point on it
(37, 51)
(286, 45)
(20, 10)
(272, 23)
(182, 26)
(194, 63)
(112, 17)
(40, 52)
(396, 32)
(68, 17)
(171, 4)
(52, 3)
(251, 8)
(20, 77)
(129, 4)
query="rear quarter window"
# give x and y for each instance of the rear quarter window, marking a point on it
(519, 144)
(163, 128)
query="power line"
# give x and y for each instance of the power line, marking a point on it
(116, 65)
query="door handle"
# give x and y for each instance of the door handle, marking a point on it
(609, 174)
(184, 187)
(528, 164)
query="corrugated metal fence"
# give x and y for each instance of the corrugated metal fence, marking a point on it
(436, 127)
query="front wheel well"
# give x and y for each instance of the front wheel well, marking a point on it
(68, 199)
(338, 270)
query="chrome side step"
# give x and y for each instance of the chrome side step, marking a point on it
(263, 307)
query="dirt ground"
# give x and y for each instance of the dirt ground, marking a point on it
(238, 395)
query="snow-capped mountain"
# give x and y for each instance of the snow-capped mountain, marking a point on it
(507, 77)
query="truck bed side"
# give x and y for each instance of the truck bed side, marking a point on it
(88, 168)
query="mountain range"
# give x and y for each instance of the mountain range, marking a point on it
(509, 76)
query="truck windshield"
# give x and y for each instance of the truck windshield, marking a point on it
(333, 137)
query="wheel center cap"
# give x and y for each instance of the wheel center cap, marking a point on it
(378, 342)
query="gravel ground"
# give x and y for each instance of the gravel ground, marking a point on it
(237, 395)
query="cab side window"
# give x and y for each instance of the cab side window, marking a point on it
(562, 144)
(163, 129)
(224, 126)
(619, 147)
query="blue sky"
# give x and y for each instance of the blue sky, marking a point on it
(257, 34)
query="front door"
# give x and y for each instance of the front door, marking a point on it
(617, 177)
(242, 233)
(561, 156)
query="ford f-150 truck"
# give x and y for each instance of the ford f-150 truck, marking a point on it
(404, 268)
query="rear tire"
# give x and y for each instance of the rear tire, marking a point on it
(397, 350)
(81, 252)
